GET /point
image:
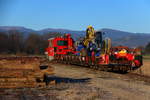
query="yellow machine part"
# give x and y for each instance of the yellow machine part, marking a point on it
(123, 52)
(90, 35)
(106, 46)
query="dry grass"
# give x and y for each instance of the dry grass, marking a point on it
(146, 67)
(100, 86)
(16, 64)
(21, 73)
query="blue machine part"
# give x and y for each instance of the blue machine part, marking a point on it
(91, 48)
(79, 48)
(97, 52)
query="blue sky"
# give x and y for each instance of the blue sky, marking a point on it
(126, 15)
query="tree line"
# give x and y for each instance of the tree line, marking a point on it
(15, 42)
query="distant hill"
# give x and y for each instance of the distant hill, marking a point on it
(115, 34)
(75, 34)
(118, 37)
(27, 31)
(20, 29)
(127, 38)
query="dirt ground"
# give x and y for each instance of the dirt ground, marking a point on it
(145, 69)
(21, 72)
(80, 83)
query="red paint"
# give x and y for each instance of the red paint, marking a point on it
(137, 63)
(61, 49)
(104, 59)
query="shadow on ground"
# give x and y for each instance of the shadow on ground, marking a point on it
(66, 80)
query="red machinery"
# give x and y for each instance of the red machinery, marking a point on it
(122, 53)
(101, 55)
(60, 45)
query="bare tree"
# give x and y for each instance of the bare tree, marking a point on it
(15, 40)
(3, 42)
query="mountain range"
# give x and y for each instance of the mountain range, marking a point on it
(118, 37)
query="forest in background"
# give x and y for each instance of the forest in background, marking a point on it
(15, 42)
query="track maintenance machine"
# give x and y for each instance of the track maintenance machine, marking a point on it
(93, 51)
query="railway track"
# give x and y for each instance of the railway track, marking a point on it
(93, 63)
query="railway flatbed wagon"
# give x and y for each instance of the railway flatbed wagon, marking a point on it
(93, 51)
